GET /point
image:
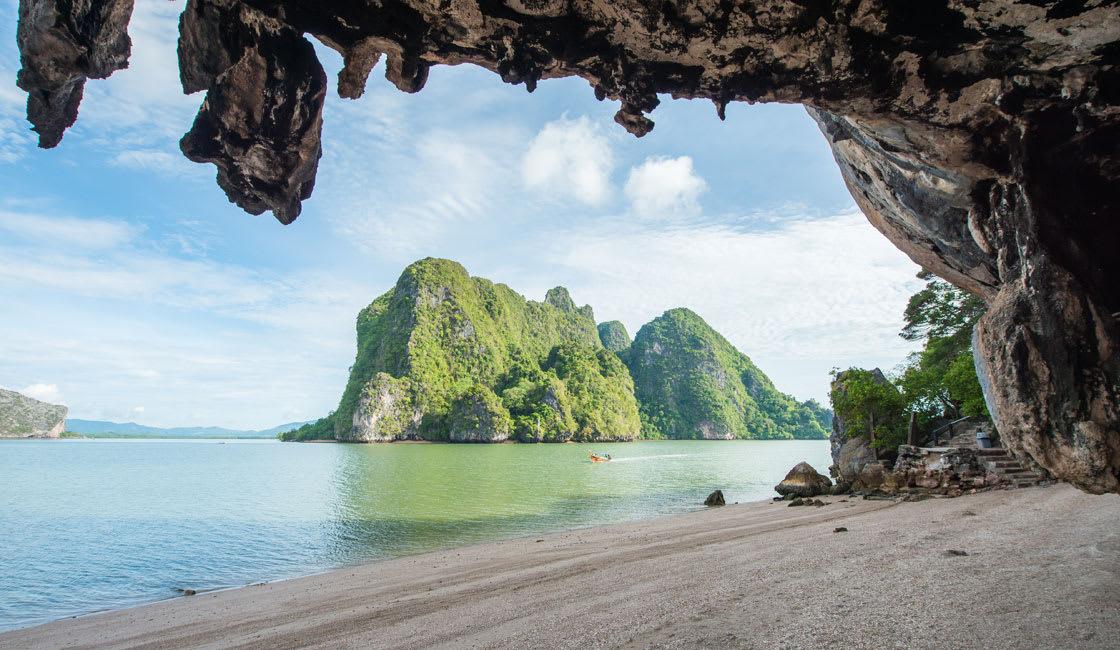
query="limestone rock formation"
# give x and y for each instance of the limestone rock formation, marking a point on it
(26, 417)
(979, 137)
(803, 481)
(850, 459)
(61, 44)
(384, 412)
(265, 145)
(445, 356)
(692, 383)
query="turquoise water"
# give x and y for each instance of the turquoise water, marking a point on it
(90, 525)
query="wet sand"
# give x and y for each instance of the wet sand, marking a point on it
(1030, 568)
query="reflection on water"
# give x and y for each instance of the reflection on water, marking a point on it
(92, 525)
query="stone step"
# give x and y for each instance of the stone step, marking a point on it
(991, 451)
(1009, 463)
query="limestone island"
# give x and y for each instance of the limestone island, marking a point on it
(444, 356)
(26, 417)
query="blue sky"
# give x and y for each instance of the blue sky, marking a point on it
(130, 289)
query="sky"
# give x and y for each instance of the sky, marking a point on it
(132, 290)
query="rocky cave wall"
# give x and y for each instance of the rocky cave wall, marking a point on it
(982, 137)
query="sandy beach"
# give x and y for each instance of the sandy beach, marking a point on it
(1030, 568)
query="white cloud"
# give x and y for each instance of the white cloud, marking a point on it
(663, 186)
(16, 138)
(202, 369)
(445, 184)
(570, 157)
(84, 233)
(163, 162)
(798, 299)
(193, 285)
(43, 392)
(144, 103)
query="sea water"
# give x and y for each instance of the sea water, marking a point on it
(92, 525)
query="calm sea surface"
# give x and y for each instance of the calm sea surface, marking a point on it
(90, 525)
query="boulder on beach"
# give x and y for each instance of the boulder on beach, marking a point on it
(803, 481)
(715, 499)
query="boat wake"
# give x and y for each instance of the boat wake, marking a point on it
(634, 459)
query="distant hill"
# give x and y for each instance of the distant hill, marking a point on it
(131, 429)
(692, 383)
(26, 417)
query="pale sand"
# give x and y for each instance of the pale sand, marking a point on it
(1042, 571)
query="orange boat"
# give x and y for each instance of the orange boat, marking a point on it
(599, 459)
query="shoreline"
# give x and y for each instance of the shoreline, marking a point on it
(1024, 568)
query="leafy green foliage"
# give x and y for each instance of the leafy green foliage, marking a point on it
(941, 379)
(869, 405)
(964, 387)
(614, 336)
(940, 310)
(692, 383)
(321, 429)
(478, 415)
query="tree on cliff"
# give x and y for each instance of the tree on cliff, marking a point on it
(938, 381)
(870, 405)
(941, 378)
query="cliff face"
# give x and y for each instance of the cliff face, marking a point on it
(979, 137)
(444, 356)
(26, 417)
(692, 383)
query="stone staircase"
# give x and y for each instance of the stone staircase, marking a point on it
(1006, 467)
(997, 460)
(964, 439)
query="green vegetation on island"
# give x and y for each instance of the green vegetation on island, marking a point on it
(614, 337)
(937, 384)
(692, 383)
(444, 356)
